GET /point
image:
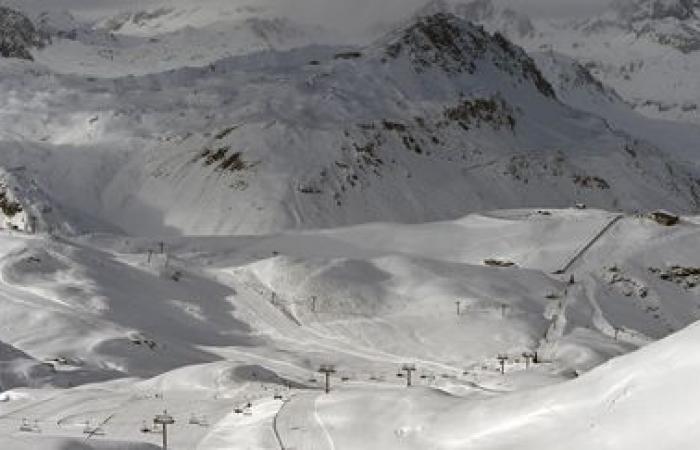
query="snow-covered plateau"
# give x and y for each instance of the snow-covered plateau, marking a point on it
(203, 205)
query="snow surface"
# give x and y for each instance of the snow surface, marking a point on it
(250, 317)
(216, 199)
(648, 51)
(320, 136)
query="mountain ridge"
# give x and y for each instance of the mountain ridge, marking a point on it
(436, 119)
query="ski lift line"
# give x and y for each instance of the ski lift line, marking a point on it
(100, 425)
(367, 353)
(354, 349)
(589, 244)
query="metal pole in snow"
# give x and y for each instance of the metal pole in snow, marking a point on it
(502, 359)
(529, 357)
(164, 420)
(327, 370)
(408, 368)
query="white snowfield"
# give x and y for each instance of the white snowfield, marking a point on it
(639, 401)
(202, 203)
(218, 322)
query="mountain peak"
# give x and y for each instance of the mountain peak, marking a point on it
(506, 21)
(457, 46)
(17, 34)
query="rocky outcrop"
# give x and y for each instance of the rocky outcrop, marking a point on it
(18, 35)
(449, 43)
(633, 10)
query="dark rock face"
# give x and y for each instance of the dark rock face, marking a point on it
(506, 21)
(679, 9)
(633, 10)
(456, 46)
(652, 19)
(17, 35)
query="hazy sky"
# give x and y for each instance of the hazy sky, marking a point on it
(354, 13)
(384, 8)
(558, 8)
(368, 11)
(333, 13)
(535, 7)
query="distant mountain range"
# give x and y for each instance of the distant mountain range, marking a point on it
(434, 119)
(649, 51)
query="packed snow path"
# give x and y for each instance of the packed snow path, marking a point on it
(300, 427)
(251, 431)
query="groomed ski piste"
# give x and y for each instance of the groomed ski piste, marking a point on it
(227, 334)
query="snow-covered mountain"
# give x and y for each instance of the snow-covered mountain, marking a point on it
(651, 56)
(145, 137)
(507, 21)
(434, 119)
(648, 51)
(18, 35)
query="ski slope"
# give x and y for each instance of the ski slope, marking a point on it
(624, 404)
(252, 318)
(201, 204)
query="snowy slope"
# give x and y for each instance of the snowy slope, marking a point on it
(435, 119)
(651, 60)
(640, 401)
(624, 79)
(576, 86)
(220, 321)
(648, 51)
(151, 148)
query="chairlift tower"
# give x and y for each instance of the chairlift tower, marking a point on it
(618, 330)
(529, 358)
(164, 420)
(502, 360)
(409, 369)
(327, 370)
(504, 310)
